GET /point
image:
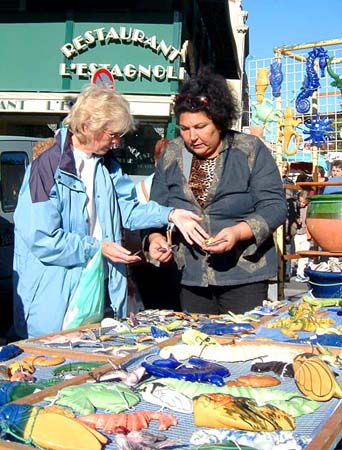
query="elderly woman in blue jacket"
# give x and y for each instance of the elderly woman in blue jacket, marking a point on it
(73, 201)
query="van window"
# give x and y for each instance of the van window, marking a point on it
(13, 165)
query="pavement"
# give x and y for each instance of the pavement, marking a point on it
(294, 290)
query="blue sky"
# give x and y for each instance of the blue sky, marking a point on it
(276, 23)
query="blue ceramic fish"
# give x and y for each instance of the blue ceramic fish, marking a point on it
(196, 369)
(224, 328)
(9, 351)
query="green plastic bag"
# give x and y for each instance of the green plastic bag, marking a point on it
(87, 304)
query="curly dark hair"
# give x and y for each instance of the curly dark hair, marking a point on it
(220, 102)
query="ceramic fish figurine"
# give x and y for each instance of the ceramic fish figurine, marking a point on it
(264, 113)
(230, 353)
(195, 369)
(13, 390)
(86, 398)
(226, 411)
(72, 337)
(158, 334)
(9, 351)
(212, 438)
(191, 336)
(166, 398)
(280, 368)
(76, 368)
(128, 378)
(31, 424)
(43, 361)
(314, 378)
(118, 423)
(226, 328)
(144, 440)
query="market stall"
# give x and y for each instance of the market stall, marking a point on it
(172, 385)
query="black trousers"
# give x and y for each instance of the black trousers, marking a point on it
(158, 287)
(221, 299)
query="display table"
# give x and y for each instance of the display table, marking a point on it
(322, 426)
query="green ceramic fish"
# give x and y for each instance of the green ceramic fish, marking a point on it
(86, 398)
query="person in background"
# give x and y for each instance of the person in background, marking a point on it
(74, 201)
(303, 178)
(156, 284)
(40, 147)
(301, 239)
(336, 175)
(285, 169)
(320, 178)
(290, 227)
(230, 180)
(144, 186)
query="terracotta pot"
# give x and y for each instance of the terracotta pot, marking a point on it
(324, 221)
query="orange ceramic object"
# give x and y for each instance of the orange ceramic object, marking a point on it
(327, 233)
(324, 221)
(261, 83)
(315, 379)
(226, 411)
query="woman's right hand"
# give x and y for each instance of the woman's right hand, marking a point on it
(117, 253)
(159, 248)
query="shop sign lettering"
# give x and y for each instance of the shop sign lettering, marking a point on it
(130, 72)
(123, 35)
(33, 105)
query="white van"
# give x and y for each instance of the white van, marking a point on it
(15, 155)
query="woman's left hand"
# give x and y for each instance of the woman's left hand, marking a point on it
(228, 237)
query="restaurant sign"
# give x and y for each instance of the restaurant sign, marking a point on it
(123, 35)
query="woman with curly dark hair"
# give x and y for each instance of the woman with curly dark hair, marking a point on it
(232, 182)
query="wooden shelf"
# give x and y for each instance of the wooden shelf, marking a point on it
(309, 253)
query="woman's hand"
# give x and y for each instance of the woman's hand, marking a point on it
(117, 253)
(228, 237)
(187, 223)
(159, 248)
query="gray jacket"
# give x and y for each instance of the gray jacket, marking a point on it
(246, 187)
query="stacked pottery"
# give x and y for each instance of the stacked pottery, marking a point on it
(324, 221)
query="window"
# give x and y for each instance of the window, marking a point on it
(13, 165)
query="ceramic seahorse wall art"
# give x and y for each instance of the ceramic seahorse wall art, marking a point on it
(311, 80)
(276, 78)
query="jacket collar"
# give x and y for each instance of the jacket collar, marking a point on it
(67, 161)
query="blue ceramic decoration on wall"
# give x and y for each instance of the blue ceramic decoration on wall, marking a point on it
(311, 80)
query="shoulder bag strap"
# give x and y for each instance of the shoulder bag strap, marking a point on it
(144, 190)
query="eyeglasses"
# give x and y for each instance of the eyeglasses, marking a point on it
(114, 135)
(195, 102)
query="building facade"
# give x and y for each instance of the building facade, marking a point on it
(149, 47)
